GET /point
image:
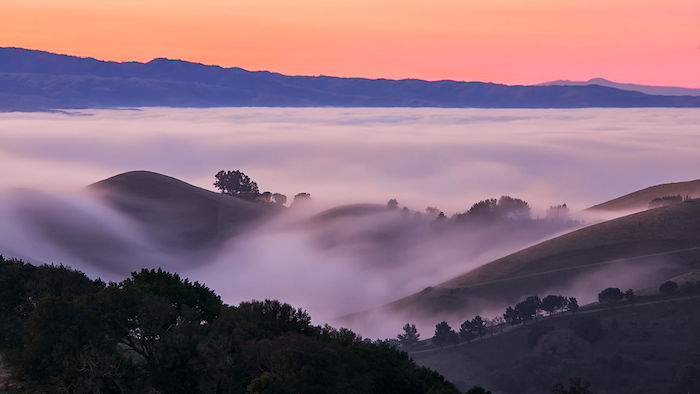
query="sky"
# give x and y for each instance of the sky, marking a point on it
(654, 42)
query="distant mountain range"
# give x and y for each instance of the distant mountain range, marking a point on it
(654, 90)
(38, 80)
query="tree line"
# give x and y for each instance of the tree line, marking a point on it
(155, 332)
(477, 327)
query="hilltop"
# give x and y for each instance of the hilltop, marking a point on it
(33, 80)
(639, 200)
(661, 90)
(633, 251)
(178, 214)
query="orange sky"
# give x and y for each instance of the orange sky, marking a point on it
(509, 41)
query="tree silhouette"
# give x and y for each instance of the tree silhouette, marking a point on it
(553, 303)
(409, 337)
(279, 199)
(668, 287)
(510, 316)
(301, 199)
(527, 309)
(392, 204)
(236, 183)
(611, 294)
(444, 335)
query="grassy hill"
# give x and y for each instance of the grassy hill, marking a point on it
(634, 251)
(176, 213)
(640, 199)
(645, 348)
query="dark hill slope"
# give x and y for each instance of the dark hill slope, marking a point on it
(34, 80)
(645, 349)
(176, 213)
(640, 199)
(633, 251)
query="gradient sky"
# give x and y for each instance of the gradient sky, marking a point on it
(510, 41)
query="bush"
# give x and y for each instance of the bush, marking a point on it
(668, 287)
(609, 295)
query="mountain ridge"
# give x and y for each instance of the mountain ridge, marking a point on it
(39, 80)
(646, 89)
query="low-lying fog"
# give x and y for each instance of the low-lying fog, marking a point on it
(447, 158)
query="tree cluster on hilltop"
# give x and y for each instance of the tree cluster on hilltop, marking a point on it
(237, 184)
(158, 333)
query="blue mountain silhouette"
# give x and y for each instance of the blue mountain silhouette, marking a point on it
(38, 80)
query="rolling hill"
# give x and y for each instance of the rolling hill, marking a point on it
(633, 251)
(177, 214)
(35, 80)
(639, 348)
(640, 199)
(132, 220)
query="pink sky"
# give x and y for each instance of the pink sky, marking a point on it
(510, 41)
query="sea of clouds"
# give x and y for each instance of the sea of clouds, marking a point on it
(448, 158)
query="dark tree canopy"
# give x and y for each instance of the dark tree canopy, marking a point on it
(392, 204)
(444, 335)
(236, 183)
(553, 303)
(158, 333)
(611, 294)
(668, 287)
(301, 198)
(409, 337)
(279, 199)
(527, 309)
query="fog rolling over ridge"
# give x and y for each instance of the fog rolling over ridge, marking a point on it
(331, 264)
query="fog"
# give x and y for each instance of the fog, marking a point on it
(448, 158)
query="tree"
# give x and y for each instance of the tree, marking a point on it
(178, 291)
(301, 199)
(572, 304)
(510, 316)
(527, 309)
(513, 208)
(629, 295)
(478, 326)
(409, 337)
(265, 197)
(236, 183)
(668, 287)
(466, 333)
(280, 199)
(444, 335)
(553, 303)
(392, 204)
(576, 386)
(609, 295)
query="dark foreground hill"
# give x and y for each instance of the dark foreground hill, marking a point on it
(154, 332)
(633, 251)
(641, 199)
(37, 80)
(646, 349)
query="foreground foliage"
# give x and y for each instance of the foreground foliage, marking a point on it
(155, 332)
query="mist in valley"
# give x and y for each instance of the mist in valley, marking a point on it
(336, 262)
